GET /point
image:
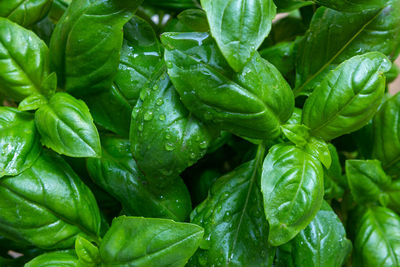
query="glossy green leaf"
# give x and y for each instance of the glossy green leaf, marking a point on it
(64, 258)
(253, 103)
(140, 55)
(293, 189)
(32, 102)
(367, 180)
(353, 5)
(87, 253)
(297, 134)
(133, 241)
(344, 35)
(322, 243)
(235, 227)
(239, 27)
(24, 12)
(47, 205)
(24, 64)
(376, 237)
(334, 180)
(165, 137)
(117, 173)
(66, 126)
(386, 144)
(348, 97)
(86, 43)
(19, 141)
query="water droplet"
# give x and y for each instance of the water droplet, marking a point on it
(169, 64)
(140, 127)
(203, 145)
(167, 136)
(162, 117)
(148, 116)
(169, 147)
(161, 197)
(143, 94)
(192, 155)
(159, 102)
(155, 87)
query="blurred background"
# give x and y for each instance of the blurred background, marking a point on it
(395, 86)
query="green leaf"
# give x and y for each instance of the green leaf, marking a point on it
(297, 134)
(386, 146)
(195, 19)
(353, 5)
(65, 258)
(165, 137)
(293, 189)
(393, 192)
(104, 107)
(117, 173)
(32, 102)
(334, 181)
(86, 43)
(19, 141)
(66, 126)
(161, 242)
(25, 65)
(141, 53)
(24, 12)
(344, 35)
(88, 253)
(376, 237)
(239, 27)
(348, 97)
(253, 103)
(322, 243)
(235, 227)
(367, 180)
(47, 205)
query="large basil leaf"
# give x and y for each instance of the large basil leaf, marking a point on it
(353, 5)
(165, 137)
(367, 180)
(24, 65)
(293, 189)
(19, 141)
(322, 243)
(233, 219)
(47, 205)
(386, 145)
(376, 237)
(117, 173)
(24, 12)
(86, 44)
(65, 258)
(66, 126)
(253, 103)
(239, 27)
(149, 242)
(344, 35)
(348, 97)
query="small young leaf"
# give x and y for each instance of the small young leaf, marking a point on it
(66, 126)
(87, 253)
